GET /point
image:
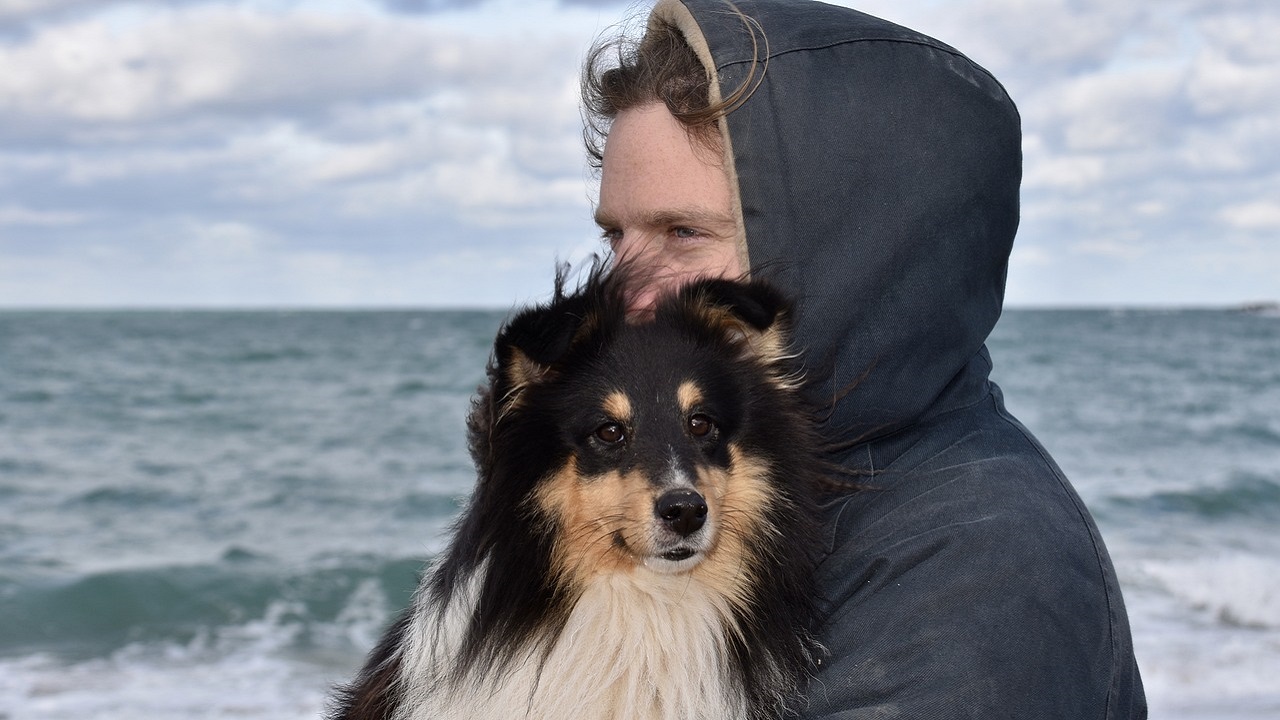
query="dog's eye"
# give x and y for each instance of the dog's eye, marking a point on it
(700, 425)
(610, 433)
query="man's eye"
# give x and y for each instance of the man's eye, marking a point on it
(611, 236)
(685, 233)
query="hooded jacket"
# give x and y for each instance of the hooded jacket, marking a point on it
(877, 171)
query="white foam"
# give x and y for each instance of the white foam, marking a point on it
(278, 666)
(1202, 672)
(1235, 588)
(1206, 630)
(1207, 635)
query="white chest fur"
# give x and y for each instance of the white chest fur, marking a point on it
(637, 646)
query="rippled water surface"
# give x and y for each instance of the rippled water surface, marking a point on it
(211, 514)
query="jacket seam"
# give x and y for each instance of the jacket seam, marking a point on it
(1081, 513)
(850, 41)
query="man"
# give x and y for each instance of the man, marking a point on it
(873, 173)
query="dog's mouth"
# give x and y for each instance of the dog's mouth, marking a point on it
(671, 559)
(674, 561)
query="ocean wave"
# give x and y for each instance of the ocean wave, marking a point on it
(1207, 635)
(252, 357)
(23, 467)
(213, 514)
(1245, 495)
(129, 498)
(1234, 589)
(34, 397)
(279, 665)
(99, 614)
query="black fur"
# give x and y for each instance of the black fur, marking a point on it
(528, 421)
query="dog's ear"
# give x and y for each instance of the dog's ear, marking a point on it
(529, 350)
(532, 345)
(754, 302)
(752, 315)
(536, 339)
(524, 354)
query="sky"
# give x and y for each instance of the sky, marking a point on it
(427, 153)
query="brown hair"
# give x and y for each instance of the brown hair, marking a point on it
(621, 73)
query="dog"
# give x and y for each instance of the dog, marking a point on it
(642, 537)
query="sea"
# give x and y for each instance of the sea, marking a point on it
(212, 514)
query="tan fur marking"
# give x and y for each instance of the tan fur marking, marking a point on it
(738, 499)
(769, 347)
(688, 395)
(587, 514)
(617, 406)
(521, 372)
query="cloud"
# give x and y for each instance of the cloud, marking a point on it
(1157, 138)
(89, 73)
(1262, 215)
(309, 127)
(273, 151)
(20, 18)
(422, 7)
(191, 264)
(1151, 146)
(14, 215)
(418, 7)
(1109, 248)
(598, 3)
(17, 12)
(242, 155)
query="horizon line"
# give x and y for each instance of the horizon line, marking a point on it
(1243, 306)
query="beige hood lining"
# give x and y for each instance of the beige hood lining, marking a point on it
(674, 12)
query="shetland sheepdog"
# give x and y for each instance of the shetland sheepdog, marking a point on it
(641, 539)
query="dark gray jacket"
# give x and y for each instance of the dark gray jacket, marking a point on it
(878, 172)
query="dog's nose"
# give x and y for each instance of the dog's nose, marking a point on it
(684, 511)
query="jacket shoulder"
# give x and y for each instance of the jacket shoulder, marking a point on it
(970, 581)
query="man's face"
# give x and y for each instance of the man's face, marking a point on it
(665, 204)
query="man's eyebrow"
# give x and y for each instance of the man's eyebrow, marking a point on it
(604, 219)
(675, 216)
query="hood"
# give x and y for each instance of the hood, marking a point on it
(877, 171)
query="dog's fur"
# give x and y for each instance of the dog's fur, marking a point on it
(642, 536)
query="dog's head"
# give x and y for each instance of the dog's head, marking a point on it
(656, 444)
